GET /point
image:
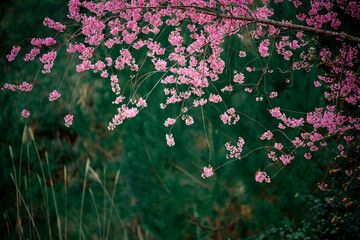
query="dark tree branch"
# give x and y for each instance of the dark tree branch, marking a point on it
(209, 11)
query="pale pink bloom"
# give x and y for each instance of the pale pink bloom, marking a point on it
(54, 95)
(239, 78)
(286, 159)
(307, 155)
(273, 95)
(118, 100)
(272, 155)
(227, 88)
(48, 60)
(169, 121)
(141, 103)
(160, 64)
(109, 61)
(31, 56)
(278, 146)
(25, 113)
(235, 150)
(322, 186)
(55, 25)
(208, 172)
(242, 54)
(230, 111)
(170, 140)
(163, 106)
(14, 52)
(261, 176)
(104, 74)
(215, 98)
(188, 119)
(266, 135)
(24, 87)
(49, 41)
(249, 69)
(68, 120)
(263, 48)
(348, 138)
(317, 83)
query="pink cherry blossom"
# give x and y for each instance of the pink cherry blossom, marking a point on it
(14, 52)
(266, 135)
(25, 113)
(54, 95)
(68, 120)
(261, 176)
(208, 172)
(170, 140)
(242, 54)
(322, 186)
(169, 121)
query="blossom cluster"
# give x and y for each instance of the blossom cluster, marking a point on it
(235, 151)
(38, 42)
(261, 176)
(23, 87)
(208, 172)
(230, 117)
(55, 25)
(68, 120)
(25, 113)
(54, 95)
(189, 67)
(14, 52)
(48, 60)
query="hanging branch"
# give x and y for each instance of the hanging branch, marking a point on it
(208, 11)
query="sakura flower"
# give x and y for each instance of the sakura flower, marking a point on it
(141, 103)
(278, 146)
(242, 54)
(170, 140)
(263, 48)
(239, 78)
(68, 120)
(188, 119)
(322, 186)
(14, 52)
(261, 176)
(25, 113)
(208, 172)
(268, 135)
(54, 95)
(273, 95)
(307, 155)
(286, 159)
(169, 121)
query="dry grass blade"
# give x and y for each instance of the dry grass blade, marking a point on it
(55, 203)
(83, 196)
(26, 207)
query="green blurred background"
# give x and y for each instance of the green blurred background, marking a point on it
(135, 186)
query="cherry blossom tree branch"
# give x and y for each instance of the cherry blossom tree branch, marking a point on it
(208, 11)
(295, 27)
(279, 24)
